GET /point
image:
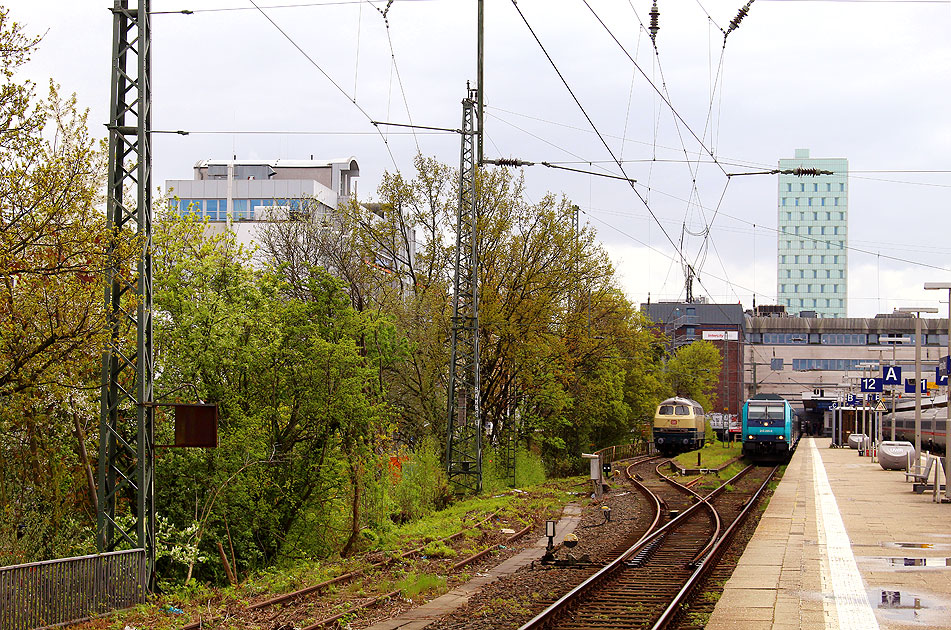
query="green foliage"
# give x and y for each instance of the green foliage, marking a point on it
(694, 371)
(301, 417)
(421, 486)
(713, 456)
(53, 255)
(529, 470)
(413, 584)
(438, 549)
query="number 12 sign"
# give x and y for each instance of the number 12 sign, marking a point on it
(871, 384)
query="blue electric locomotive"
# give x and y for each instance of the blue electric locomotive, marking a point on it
(770, 427)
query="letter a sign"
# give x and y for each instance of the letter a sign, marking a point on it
(892, 374)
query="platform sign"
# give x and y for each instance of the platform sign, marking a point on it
(872, 384)
(941, 377)
(910, 385)
(891, 375)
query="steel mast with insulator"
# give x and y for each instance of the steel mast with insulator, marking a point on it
(126, 426)
(464, 431)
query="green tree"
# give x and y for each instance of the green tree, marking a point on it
(295, 372)
(694, 371)
(52, 320)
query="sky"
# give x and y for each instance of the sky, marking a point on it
(577, 83)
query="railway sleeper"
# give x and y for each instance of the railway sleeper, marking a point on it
(644, 555)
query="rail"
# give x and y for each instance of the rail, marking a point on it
(69, 590)
(704, 564)
(617, 565)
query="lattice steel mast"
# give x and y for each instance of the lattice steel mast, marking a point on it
(126, 429)
(464, 432)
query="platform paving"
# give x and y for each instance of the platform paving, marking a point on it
(422, 616)
(839, 536)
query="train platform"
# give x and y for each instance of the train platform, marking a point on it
(842, 544)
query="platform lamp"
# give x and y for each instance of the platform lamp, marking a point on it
(917, 310)
(947, 427)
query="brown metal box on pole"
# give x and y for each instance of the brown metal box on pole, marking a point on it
(196, 425)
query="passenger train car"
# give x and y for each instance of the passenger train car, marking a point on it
(770, 428)
(679, 426)
(934, 430)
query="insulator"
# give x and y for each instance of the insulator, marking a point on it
(735, 22)
(513, 162)
(801, 172)
(655, 22)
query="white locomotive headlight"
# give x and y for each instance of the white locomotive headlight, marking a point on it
(781, 437)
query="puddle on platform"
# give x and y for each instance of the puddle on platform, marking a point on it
(919, 562)
(910, 607)
(916, 545)
(875, 563)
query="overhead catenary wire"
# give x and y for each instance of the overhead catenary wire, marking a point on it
(666, 96)
(654, 249)
(384, 13)
(297, 5)
(644, 74)
(329, 78)
(590, 121)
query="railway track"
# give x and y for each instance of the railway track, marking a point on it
(647, 585)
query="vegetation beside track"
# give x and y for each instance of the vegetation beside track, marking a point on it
(513, 507)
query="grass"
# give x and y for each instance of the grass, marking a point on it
(413, 584)
(538, 502)
(713, 455)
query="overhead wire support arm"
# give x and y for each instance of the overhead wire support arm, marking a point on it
(377, 123)
(798, 172)
(517, 163)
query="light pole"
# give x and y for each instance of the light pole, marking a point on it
(947, 426)
(918, 311)
(893, 341)
(866, 415)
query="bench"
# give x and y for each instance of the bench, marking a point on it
(919, 473)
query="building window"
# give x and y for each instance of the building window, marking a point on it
(788, 187)
(796, 200)
(211, 209)
(841, 187)
(776, 364)
(809, 202)
(828, 187)
(783, 202)
(802, 188)
(835, 201)
(822, 201)
(240, 211)
(841, 216)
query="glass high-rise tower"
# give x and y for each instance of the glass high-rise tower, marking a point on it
(812, 254)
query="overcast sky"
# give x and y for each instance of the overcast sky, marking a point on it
(863, 80)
